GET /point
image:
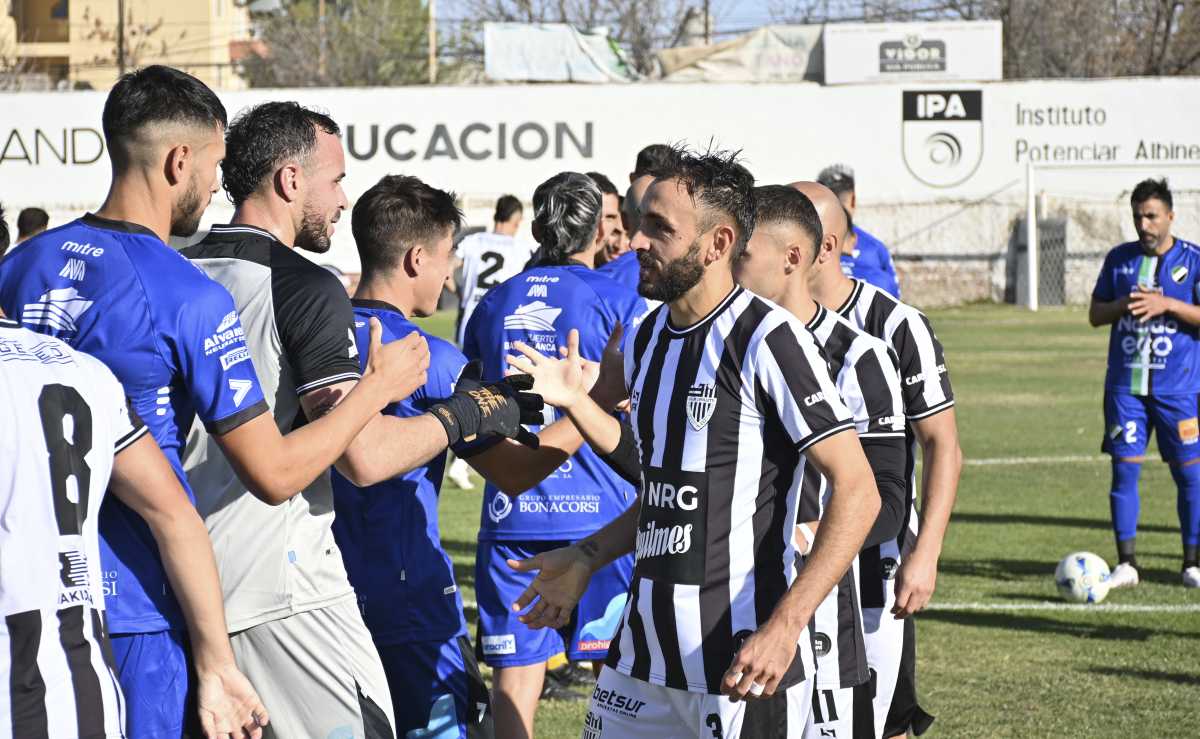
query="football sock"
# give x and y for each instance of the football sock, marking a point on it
(1187, 480)
(1124, 502)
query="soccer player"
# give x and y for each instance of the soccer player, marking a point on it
(731, 402)
(560, 292)
(31, 222)
(109, 285)
(487, 259)
(609, 234)
(625, 269)
(75, 430)
(787, 237)
(1149, 291)
(898, 577)
(285, 582)
(388, 532)
(863, 256)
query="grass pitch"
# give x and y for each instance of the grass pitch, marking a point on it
(998, 655)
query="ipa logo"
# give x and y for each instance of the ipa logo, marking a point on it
(941, 135)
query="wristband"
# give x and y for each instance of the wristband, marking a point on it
(806, 531)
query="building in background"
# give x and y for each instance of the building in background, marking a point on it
(75, 44)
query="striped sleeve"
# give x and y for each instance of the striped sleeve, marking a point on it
(925, 382)
(796, 378)
(875, 381)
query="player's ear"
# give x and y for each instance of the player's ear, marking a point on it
(288, 181)
(723, 239)
(414, 258)
(178, 161)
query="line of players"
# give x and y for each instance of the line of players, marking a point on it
(281, 337)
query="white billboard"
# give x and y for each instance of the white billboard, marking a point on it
(907, 143)
(898, 52)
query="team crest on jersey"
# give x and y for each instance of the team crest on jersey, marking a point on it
(701, 402)
(1179, 274)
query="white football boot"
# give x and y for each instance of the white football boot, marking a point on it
(460, 474)
(1191, 577)
(1123, 575)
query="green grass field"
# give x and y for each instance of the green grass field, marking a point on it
(1028, 387)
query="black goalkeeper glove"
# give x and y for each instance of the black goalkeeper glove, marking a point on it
(498, 409)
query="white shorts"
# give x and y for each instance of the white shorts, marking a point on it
(625, 708)
(843, 713)
(318, 674)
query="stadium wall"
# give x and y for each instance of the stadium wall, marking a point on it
(940, 168)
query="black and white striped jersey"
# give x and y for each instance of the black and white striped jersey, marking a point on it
(925, 385)
(865, 372)
(68, 417)
(722, 412)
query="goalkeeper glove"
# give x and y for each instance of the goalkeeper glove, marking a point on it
(498, 409)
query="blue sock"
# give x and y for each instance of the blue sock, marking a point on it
(1124, 502)
(1187, 481)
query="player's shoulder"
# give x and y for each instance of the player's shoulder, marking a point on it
(868, 240)
(1189, 248)
(1125, 252)
(605, 286)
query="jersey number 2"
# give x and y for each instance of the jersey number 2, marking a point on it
(56, 404)
(495, 263)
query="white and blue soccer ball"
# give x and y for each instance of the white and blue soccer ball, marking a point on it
(1082, 577)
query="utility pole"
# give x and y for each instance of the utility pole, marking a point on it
(321, 42)
(433, 42)
(121, 38)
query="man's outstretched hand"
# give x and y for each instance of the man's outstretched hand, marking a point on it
(562, 578)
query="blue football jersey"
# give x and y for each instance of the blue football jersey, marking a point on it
(871, 263)
(539, 306)
(624, 269)
(171, 336)
(1157, 357)
(388, 532)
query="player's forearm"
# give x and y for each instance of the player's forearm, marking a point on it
(599, 428)
(1103, 313)
(187, 557)
(515, 468)
(391, 446)
(1185, 312)
(275, 468)
(942, 464)
(615, 540)
(852, 508)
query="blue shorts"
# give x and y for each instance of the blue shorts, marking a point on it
(1130, 419)
(503, 641)
(153, 670)
(437, 691)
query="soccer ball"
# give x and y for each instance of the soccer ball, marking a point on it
(1082, 577)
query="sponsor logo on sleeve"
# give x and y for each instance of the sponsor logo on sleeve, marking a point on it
(500, 644)
(240, 388)
(671, 528)
(234, 356)
(229, 332)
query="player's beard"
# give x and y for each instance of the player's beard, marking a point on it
(314, 232)
(186, 214)
(675, 277)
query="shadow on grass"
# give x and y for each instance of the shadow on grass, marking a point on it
(1044, 625)
(997, 569)
(1179, 678)
(1073, 522)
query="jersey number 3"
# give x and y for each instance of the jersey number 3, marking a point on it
(67, 426)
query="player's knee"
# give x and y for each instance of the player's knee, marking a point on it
(1187, 476)
(1125, 472)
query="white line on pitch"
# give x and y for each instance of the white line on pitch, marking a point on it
(1065, 459)
(1047, 606)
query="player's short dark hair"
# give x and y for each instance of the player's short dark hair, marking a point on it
(1149, 189)
(156, 95)
(265, 136)
(787, 205)
(506, 207)
(717, 182)
(566, 213)
(30, 221)
(3, 232)
(397, 213)
(651, 158)
(606, 186)
(837, 177)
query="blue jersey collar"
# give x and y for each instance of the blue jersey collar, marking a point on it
(95, 221)
(376, 305)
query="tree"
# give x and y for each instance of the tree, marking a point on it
(358, 43)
